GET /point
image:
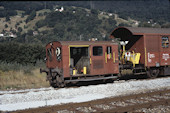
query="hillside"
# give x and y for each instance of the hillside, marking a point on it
(40, 22)
(70, 24)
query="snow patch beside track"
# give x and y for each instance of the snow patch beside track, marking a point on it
(31, 99)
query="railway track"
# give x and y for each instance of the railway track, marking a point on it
(129, 103)
(24, 91)
(31, 90)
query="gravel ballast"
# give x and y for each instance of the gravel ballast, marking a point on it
(31, 99)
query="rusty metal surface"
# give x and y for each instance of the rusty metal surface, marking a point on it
(87, 42)
(112, 65)
(145, 30)
(81, 42)
(164, 54)
(152, 49)
(164, 58)
(52, 63)
(98, 63)
(128, 32)
(152, 43)
(155, 52)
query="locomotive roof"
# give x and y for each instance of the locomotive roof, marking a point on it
(85, 42)
(127, 32)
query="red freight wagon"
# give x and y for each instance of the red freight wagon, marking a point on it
(151, 43)
(72, 61)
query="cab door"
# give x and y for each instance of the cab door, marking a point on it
(97, 60)
(111, 59)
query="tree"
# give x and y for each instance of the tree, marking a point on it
(40, 14)
(30, 32)
(145, 24)
(19, 29)
(40, 23)
(13, 31)
(21, 53)
(31, 16)
(7, 18)
(6, 26)
(93, 11)
(167, 25)
(22, 16)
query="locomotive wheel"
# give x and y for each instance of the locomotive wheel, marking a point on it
(56, 81)
(60, 82)
(152, 73)
(53, 83)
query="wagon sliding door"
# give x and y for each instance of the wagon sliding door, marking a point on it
(152, 50)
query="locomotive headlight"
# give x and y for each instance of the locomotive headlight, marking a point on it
(58, 51)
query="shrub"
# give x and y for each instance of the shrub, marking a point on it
(19, 29)
(6, 25)
(21, 53)
(40, 23)
(31, 16)
(7, 18)
(26, 68)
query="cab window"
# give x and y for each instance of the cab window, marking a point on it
(165, 42)
(109, 52)
(49, 54)
(109, 49)
(97, 51)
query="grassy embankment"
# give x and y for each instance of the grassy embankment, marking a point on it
(15, 76)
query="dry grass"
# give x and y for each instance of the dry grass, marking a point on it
(44, 28)
(20, 80)
(12, 22)
(119, 20)
(100, 16)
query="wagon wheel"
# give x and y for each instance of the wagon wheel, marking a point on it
(152, 73)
